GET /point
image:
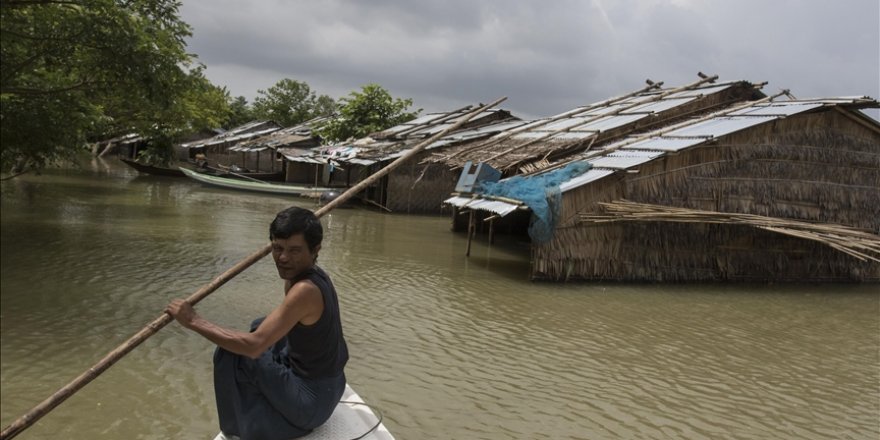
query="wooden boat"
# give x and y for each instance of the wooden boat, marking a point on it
(175, 172)
(154, 170)
(254, 185)
(234, 171)
(352, 419)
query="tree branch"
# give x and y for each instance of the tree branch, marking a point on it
(26, 3)
(33, 91)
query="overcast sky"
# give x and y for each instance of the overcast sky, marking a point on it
(545, 56)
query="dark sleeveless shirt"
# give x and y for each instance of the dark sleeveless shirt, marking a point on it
(318, 350)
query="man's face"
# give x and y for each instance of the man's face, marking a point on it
(292, 255)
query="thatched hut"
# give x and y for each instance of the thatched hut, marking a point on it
(269, 152)
(218, 148)
(762, 190)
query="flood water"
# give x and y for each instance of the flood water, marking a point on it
(445, 346)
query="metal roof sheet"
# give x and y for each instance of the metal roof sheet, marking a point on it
(778, 109)
(604, 123)
(590, 176)
(572, 135)
(364, 162)
(663, 144)
(564, 123)
(496, 206)
(303, 159)
(609, 122)
(701, 91)
(661, 105)
(612, 108)
(248, 149)
(721, 126)
(623, 159)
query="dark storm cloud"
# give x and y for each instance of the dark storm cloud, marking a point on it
(547, 57)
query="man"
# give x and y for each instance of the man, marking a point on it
(284, 377)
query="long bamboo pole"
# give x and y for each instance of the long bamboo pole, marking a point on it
(29, 418)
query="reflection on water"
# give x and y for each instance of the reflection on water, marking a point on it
(446, 346)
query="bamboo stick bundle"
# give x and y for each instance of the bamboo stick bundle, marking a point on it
(592, 119)
(527, 127)
(858, 243)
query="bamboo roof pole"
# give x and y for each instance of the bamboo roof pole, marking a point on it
(659, 97)
(503, 136)
(157, 324)
(430, 122)
(435, 120)
(663, 131)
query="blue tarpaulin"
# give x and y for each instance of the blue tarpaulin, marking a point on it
(540, 193)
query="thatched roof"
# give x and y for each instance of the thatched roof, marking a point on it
(629, 153)
(529, 147)
(285, 137)
(396, 141)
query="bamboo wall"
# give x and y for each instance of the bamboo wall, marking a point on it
(821, 167)
(220, 155)
(420, 188)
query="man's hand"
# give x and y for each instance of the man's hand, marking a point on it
(182, 311)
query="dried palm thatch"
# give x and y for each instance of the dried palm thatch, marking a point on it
(851, 241)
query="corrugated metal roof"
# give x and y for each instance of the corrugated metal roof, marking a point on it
(623, 159)
(701, 91)
(401, 148)
(496, 206)
(304, 159)
(663, 144)
(659, 106)
(620, 156)
(721, 126)
(778, 109)
(248, 149)
(601, 124)
(591, 175)
(571, 135)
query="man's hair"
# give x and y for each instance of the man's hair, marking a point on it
(294, 221)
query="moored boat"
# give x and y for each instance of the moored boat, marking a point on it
(150, 169)
(352, 419)
(254, 185)
(220, 172)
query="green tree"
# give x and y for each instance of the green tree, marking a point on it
(368, 111)
(325, 106)
(76, 70)
(290, 102)
(240, 112)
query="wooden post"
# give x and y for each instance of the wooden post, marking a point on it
(471, 229)
(89, 375)
(492, 230)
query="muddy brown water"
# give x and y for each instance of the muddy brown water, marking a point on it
(445, 346)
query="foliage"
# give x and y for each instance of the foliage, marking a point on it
(240, 113)
(324, 106)
(290, 102)
(80, 70)
(362, 113)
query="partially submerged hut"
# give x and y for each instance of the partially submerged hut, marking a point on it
(760, 190)
(270, 151)
(217, 148)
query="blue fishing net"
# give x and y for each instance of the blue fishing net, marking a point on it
(540, 192)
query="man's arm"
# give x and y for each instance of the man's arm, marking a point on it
(303, 302)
